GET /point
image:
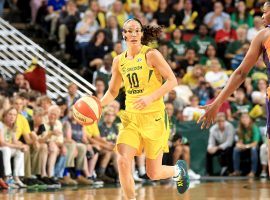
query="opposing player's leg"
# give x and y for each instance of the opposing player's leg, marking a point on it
(155, 171)
(269, 155)
(125, 157)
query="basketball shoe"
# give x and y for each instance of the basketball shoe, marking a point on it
(182, 180)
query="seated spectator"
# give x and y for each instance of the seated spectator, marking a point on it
(204, 91)
(216, 76)
(202, 40)
(67, 24)
(252, 31)
(220, 143)
(94, 6)
(54, 8)
(177, 101)
(192, 112)
(215, 19)
(187, 19)
(241, 17)
(118, 11)
(113, 30)
(210, 54)
(239, 56)
(99, 46)
(19, 84)
(3, 86)
(54, 137)
(166, 53)
(240, 103)
(117, 49)
(105, 71)
(45, 102)
(258, 72)
(187, 64)
(72, 95)
(234, 46)
(177, 45)
(100, 87)
(10, 148)
(224, 36)
(193, 77)
(85, 29)
(248, 137)
(163, 15)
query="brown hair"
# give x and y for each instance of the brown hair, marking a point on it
(150, 33)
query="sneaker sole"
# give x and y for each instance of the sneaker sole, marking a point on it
(183, 183)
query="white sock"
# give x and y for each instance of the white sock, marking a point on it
(176, 171)
(141, 170)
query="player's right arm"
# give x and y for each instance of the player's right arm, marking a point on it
(236, 79)
(114, 85)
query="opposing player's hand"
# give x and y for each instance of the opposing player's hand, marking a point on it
(209, 116)
(142, 102)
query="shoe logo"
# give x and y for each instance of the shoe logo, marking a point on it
(157, 119)
(180, 183)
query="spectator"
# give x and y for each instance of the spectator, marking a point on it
(193, 77)
(113, 30)
(188, 63)
(100, 87)
(202, 40)
(105, 5)
(263, 157)
(239, 56)
(163, 15)
(10, 148)
(215, 19)
(85, 30)
(118, 11)
(67, 23)
(72, 95)
(177, 45)
(240, 103)
(210, 55)
(104, 71)
(165, 51)
(99, 15)
(177, 101)
(19, 84)
(99, 46)
(204, 91)
(220, 143)
(248, 137)
(216, 76)
(117, 49)
(192, 112)
(187, 18)
(241, 16)
(252, 31)
(234, 46)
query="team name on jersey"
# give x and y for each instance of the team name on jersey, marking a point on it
(135, 91)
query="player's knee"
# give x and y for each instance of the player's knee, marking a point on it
(123, 162)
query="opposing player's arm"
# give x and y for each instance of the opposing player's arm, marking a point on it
(239, 75)
(155, 59)
(114, 85)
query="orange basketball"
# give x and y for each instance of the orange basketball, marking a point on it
(87, 110)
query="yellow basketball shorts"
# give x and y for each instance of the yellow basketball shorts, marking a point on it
(148, 132)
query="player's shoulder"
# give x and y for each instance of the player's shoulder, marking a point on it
(152, 53)
(263, 34)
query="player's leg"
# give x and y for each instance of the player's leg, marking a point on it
(125, 157)
(269, 154)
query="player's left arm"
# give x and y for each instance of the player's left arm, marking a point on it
(155, 59)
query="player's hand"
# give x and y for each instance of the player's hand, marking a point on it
(209, 116)
(142, 102)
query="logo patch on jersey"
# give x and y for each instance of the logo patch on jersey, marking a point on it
(139, 60)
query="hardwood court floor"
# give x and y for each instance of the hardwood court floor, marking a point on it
(217, 190)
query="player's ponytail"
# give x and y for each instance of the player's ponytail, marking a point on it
(150, 33)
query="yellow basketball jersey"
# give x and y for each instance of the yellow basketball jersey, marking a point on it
(140, 80)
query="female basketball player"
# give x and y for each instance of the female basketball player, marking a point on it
(260, 44)
(145, 123)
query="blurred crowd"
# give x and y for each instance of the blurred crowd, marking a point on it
(203, 41)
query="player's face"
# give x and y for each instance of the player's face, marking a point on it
(266, 14)
(132, 31)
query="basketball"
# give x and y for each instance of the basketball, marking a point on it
(87, 110)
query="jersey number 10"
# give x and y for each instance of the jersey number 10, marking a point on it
(133, 80)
